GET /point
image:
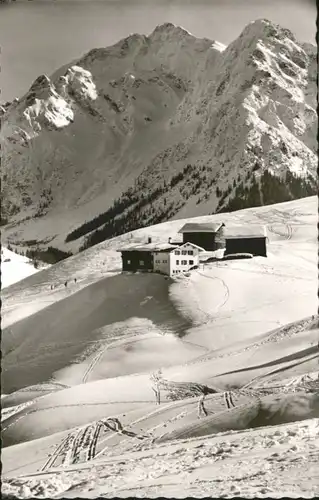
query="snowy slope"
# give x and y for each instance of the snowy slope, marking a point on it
(272, 460)
(134, 115)
(76, 357)
(286, 223)
(15, 267)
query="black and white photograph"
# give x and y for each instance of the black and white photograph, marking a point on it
(159, 249)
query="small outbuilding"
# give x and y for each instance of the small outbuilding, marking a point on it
(246, 239)
(207, 235)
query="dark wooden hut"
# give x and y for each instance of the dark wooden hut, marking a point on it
(246, 239)
(206, 235)
(137, 260)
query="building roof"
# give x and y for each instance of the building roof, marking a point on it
(204, 227)
(193, 245)
(245, 232)
(148, 247)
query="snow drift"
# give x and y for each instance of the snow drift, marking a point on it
(271, 410)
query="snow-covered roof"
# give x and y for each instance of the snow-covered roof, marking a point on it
(242, 232)
(156, 247)
(148, 247)
(204, 227)
(193, 245)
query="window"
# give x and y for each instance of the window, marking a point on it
(177, 252)
(141, 262)
(184, 262)
(164, 261)
(190, 252)
(191, 262)
(184, 252)
(177, 262)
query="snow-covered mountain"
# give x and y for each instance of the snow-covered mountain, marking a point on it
(159, 127)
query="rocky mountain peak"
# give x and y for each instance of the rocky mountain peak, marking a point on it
(263, 28)
(169, 30)
(41, 82)
(167, 109)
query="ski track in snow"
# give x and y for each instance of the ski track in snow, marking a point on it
(283, 332)
(227, 293)
(112, 345)
(79, 445)
(245, 463)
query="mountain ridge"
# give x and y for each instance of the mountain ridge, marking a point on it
(123, 122)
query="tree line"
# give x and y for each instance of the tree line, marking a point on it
(133, 199)
(269, 189)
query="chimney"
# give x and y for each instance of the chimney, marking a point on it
(149, 239)
(169, 240)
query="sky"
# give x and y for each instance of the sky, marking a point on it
(40, 36)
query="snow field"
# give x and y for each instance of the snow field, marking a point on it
(250, 336)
